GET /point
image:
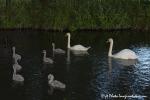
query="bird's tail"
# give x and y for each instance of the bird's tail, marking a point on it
(88, 47)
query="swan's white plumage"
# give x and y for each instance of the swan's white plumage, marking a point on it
(54, 83)
(79, 48)
(57, 50)
(17, 67)
(17, 77)
(57, 85)
(46, 59)
(123, 54)
(15, 56)
(76, 47)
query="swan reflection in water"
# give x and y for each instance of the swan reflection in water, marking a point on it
(126, 62)
(110, 66)
(68, 56)
(122, 62)
(80, 53)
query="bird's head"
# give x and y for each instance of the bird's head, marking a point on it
(13, 48)
(53, 44)
(44, 51)
(50, 77)
(109, 40)
(68, 34)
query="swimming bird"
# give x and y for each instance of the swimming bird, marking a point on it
(17, 77)
(58, 50)
(17, 66)
(76, 47)
(123, 54)
(55, 84)
(15, 56)
(46, 59)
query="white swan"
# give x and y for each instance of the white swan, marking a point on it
(123, 54)
(127, 62)
(58, 50)
(46, 59)
(17, 66)
(15, 56)
(54, 83)
(17, 77)
(76, 47)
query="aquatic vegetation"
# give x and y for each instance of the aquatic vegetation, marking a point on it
(75, 14)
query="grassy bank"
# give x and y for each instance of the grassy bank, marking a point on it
(75, 14)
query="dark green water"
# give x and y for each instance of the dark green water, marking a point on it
(87, 77)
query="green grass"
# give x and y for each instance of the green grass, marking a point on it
(75, 14)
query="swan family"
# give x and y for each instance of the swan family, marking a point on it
(17, 78)
(124, 54)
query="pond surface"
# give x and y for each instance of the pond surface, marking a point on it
(87, 77)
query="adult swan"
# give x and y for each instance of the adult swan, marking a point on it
(123, 54)
(76, 47)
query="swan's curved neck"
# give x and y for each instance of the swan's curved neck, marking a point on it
(53, 47)
(44, 56)
(68, 46)
(51, 79)
(110, 49)
(14, 71)
(14, 52)
(16, 62)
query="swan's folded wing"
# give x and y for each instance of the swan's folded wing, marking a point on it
(79, 48)
(126, 54)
